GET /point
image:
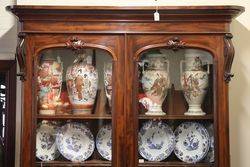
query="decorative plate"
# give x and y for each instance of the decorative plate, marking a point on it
(210, 154)
(75, 142)
(192, 142)
(46, 149)
(104, 142)
(156, 141)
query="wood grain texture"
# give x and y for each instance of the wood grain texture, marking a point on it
(8, 69)
(126, 33)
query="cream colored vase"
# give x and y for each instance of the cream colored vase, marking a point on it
(49, 85)
(155, 83)
(194, 82)
(82, 84)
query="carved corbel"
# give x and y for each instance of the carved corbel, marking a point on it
(20, 56)
(229, 56)
(175, 44)
(75, 44)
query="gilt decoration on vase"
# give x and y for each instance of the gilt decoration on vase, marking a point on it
(155, 83)
(194, 81)
(82, 85)
(49, 85)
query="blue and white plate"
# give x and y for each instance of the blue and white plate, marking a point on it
(46, 149)
(75, 142)
(104, 142)
(192, 142)
(210, 154)
(156, 141)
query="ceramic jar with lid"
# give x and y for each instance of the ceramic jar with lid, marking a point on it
(194, 81)
(155, 83)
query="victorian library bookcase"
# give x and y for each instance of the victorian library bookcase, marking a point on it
(125, 86)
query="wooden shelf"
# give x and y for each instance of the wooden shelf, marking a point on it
(178, 117)
(94, 116)
(108, 163)
(175, 164)
(64, 117)
(68, 163)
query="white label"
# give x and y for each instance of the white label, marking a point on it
(157, 16)
(141, 160)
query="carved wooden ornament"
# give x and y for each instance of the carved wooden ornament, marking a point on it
(20, 56)
(175, 44)
(229, 56)
(75, 44)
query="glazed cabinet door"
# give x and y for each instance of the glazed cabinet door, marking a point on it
(73, 99)
(172, 97)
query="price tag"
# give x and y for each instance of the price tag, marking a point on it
(141, 160)
(157, 16)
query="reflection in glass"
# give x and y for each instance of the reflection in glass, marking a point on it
(155, 83)
(166, 132)
(82, 82)
(108, 81)
(74, 97)
(2, 116)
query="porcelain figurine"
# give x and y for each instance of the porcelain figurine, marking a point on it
(194, 81)
(108, 81)
(49, 85)
(155, 83)
(82, 84)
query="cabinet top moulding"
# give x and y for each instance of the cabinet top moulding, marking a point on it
(125, 13)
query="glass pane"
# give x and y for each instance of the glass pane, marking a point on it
(175, 108)
(74, 107)
(2, 116)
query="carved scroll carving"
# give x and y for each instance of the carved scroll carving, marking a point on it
(75, 44)
(20, 56)
(229, 56)
(175, 44)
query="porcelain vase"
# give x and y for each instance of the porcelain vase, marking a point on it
(82, 85)
(155, 83)
(49, 85)
(108, 81)
(194, 82)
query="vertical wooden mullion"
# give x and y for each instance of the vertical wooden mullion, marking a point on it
(27, 156)
(222, 110)
(118, 123)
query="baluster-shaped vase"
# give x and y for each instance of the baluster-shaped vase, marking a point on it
(194, 82)
(82, 84)
(155, 83)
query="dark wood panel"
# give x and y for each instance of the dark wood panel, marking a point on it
(174, 164)
(89, 163)
(126, 33)
(8, 71)
(177, 27)
(77, 117)
(177, 117)
(109, 13)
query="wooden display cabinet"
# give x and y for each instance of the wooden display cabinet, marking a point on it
(125, 35)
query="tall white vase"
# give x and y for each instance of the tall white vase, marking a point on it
(155, 83)
(194, 81)
(82, 83)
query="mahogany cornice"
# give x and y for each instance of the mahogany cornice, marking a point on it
(126, 14)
